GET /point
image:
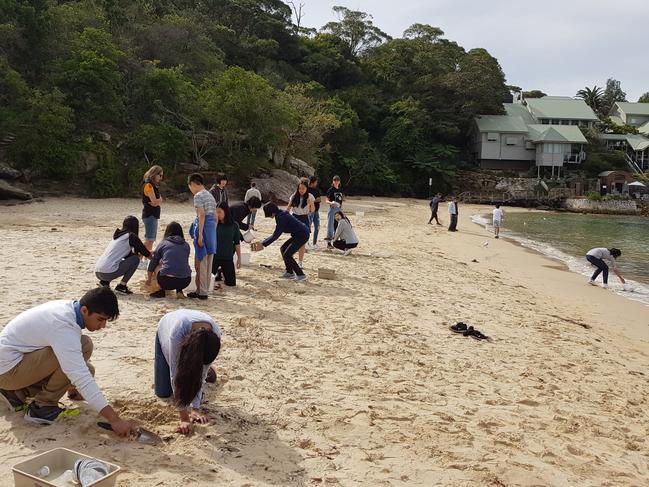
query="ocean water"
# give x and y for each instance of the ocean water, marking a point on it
(568, 236)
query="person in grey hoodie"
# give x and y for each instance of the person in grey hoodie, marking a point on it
(171, 261)
(345, 238)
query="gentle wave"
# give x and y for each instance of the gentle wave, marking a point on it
(634, 290)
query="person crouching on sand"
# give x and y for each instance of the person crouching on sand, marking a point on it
(597, 257)
(122, 256)
(345, 238)
(44, 354)
(286, 223)
(186, 343)
(170, 263)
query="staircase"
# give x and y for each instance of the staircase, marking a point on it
(632, 164)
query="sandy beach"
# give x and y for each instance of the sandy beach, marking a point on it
(357, 381)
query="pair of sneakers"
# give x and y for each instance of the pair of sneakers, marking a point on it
(293, 277)
(593, 283)
(34, 413)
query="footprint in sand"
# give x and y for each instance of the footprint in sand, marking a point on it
(529, 402)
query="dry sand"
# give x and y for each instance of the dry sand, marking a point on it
(357, 381)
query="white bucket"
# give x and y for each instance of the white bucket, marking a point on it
(245, 258)
(359, 215)
(248, 236)
(192, 285)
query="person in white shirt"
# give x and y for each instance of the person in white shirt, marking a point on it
(597, 256)
(186, 343)
(251, 193)
(453, 213)
(44, 354)
(497, 220)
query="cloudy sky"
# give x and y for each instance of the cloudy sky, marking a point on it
(557, 46)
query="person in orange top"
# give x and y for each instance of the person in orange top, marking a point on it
(151, 201)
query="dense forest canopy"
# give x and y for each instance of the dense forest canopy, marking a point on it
(224, 83)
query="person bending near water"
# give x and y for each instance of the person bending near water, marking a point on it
(345, 238)
(151, 202)
(122, 256)
(497, 220)
(186, 343)
(597, 257)
(301, 204)
(44, 354)
(203, 231)
(286, 223)
(228, 238)
(170, 263)
(453, 213)
(434, 208)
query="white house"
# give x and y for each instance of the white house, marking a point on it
(636, 147)
(539, 132)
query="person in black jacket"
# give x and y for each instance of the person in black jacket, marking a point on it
(218, 190)
(241, 210)
(286, 223)
(434, 208)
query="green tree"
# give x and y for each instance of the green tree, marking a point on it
(356, 29)
(644, 98)
(533, 94)
(612, 93)
(593, 97)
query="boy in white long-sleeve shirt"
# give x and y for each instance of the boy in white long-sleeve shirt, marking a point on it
(44, 354)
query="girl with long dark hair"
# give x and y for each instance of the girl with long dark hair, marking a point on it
(301, 204)
(187, 342)
(345, 238)
(170, 262)
(228, 238)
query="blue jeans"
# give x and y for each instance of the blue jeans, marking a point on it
(251, 219)
(602, 268)
(161, 373)
(331, 222)
(314, 220)
(150, 228)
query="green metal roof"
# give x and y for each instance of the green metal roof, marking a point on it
(616, 120)
(633, 108)
(501, 123)
(637, 142)
(519, 110)
(560, 107)
(644, 129)
(557, 133)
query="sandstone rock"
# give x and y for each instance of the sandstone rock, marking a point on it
(278, 187)
(88, 162)
(9, 192)
(8, 172)
(300, 167)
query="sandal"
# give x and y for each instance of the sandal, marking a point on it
(458, 327)
(478, 335)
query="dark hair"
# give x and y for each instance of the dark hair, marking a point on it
(615, 252)
(498, 205)
(253, 184)
(254, 202)
(336, 178)
(199, 348)
(132, 224)
(343, 216)
(101, 300)
(295, 201)
(221, 177)
(270, 209)
(227, 220)
(174, 229)
(196, 178)
(313, 179)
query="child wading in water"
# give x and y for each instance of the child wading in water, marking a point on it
(122, 256)
(497, 220)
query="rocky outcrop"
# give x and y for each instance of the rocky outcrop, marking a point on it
(9, 192)
(88, 162)
(610, 207)
(278, 187)
(300, 167)
(8, 172)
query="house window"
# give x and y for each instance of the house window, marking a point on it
(634, 121)
(553, 148)
(529, 145)
(545, 121)
(511, 141)
(492, 137)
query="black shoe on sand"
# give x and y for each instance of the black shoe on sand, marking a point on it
(158, 294)
(11, 400)
(458, 327)
(121, 288)
(196, 296)
(211, 375)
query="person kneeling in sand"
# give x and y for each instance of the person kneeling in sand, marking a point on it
(286, 223)
(43, 354)
(122, 256)
(597, 257)
(345, 238)
(170, 263)
(186, 343)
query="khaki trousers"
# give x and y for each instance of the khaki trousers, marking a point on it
(39, 375)
(203, 274)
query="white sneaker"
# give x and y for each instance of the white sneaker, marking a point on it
(347, 252)
(315, 246)
(143, 265)
(592, 283)
(605, 286)
(301, 264)
(300, 278)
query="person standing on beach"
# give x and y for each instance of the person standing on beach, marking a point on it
(597, 256)
(301, 204)
(203, 231)
(434, 208)
(497, 220)
(151, 201)
(186, 343)
(228, 238)
(314, 218)
(285, 223)
(252, 192)
(453, 212)
(218, 191)
(335, 198)
(44, 354)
